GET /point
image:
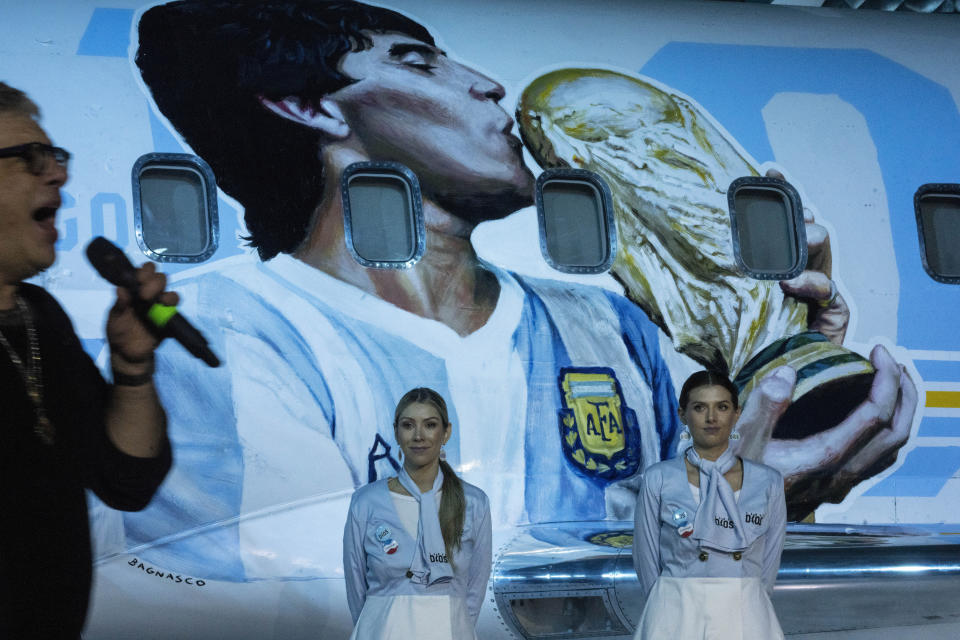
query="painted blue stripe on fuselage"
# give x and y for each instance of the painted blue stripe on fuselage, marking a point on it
(922, 474)
(163, 140)
(93, 346)
(939, 428)
(938, 370)
(107, 34)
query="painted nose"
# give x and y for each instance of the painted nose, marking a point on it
(484, 88)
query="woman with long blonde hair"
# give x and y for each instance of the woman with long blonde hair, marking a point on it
(417, 546)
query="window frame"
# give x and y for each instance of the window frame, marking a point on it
(606, 205)
(409, 178)
(209, 187)
(791, 195)
(932, 188)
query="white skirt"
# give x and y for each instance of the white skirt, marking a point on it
(409, 617)
(708, 609)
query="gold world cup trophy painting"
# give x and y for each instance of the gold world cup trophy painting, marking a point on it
(668, 166)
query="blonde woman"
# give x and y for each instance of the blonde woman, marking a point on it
(417, 547)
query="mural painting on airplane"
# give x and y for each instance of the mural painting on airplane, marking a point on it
(317, 349)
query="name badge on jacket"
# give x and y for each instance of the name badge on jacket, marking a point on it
(390, 545)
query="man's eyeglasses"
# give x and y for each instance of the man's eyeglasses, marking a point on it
(37, 155)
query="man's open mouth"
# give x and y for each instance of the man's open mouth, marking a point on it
(44, 213)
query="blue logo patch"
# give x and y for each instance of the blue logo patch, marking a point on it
(684, 528)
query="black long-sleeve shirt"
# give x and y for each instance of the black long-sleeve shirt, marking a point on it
(45, 554)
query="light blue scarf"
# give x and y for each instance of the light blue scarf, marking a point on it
(718, 524)
(429, 535)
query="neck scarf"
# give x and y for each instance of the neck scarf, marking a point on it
(718, 524)
(429, 535)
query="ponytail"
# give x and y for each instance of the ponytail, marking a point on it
(453, 507)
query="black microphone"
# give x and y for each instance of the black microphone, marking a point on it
(111, 263)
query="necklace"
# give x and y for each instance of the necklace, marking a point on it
(31, 373)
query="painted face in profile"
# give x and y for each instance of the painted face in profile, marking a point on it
(421, 432)
(412, 104)
(710, 415)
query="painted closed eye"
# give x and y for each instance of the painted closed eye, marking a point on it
(417, 60)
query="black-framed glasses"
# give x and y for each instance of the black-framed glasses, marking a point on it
(37, 155)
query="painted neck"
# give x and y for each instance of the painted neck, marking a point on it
(449, 284)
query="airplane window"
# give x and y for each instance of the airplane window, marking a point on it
(574, 616)
(938, 223)
(175, 207)
(766, 218)
(577, 233)
(383, 215)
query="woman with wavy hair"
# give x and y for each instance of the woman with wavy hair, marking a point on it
(417, 546)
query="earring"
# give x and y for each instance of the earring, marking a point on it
(443, 453)
(685, 434)
(734, 435)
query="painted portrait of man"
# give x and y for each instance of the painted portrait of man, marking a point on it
(280, 98)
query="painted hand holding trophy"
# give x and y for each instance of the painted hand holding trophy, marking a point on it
(669, 166)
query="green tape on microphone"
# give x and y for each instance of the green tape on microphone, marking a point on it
(160, 314)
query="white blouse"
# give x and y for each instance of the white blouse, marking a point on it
(409, 511)
(695, 490)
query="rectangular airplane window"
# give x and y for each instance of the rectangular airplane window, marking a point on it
(175, 207)
(573, 616)
(938, 221)
(576, 221)
(767, 223)
(383, 218)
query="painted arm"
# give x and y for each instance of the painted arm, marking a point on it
(480, 565)
(776, 532)
(354, 562)
(646, 534)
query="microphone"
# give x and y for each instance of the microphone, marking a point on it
(112, 264)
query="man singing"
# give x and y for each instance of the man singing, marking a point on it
(64, 428)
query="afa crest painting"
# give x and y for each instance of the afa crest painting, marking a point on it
(598, 431)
